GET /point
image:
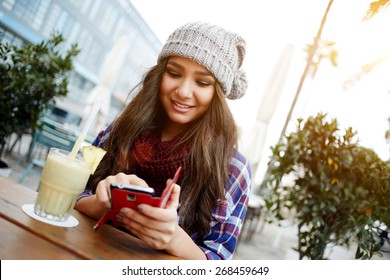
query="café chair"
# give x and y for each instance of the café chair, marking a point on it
(49, 136)
(252, 220)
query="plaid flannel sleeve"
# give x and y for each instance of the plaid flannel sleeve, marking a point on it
(229, 214)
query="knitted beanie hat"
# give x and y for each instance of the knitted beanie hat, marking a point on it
(220, 51)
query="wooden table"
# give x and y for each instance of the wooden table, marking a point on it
(24, 238)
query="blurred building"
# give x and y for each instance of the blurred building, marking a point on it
(96, 26)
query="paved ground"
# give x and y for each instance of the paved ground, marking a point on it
(270, 242)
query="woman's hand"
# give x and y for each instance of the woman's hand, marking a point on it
(96, 205)
(103, 193)
(156, 226)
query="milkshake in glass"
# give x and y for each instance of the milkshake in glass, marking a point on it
(63, 179)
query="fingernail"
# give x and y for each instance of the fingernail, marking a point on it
(123, 211)
(140, 207)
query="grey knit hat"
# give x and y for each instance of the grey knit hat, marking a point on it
(220, 51)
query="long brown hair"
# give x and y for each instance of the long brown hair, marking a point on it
(213, 139)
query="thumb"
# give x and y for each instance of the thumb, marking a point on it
(173, 200)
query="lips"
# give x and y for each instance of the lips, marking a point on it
(180, 107)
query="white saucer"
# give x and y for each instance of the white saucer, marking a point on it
(29, 210)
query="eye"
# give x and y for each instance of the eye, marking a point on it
(203, 83)
(172, 73)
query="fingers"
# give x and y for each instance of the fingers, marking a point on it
(156, 232)
(127, 179)
(153, 217)
(103, 192)
(156, 226)
(173, 201)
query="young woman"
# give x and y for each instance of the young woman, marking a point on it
(180, 117)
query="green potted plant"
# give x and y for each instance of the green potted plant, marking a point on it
(336, 191)
(30, 77)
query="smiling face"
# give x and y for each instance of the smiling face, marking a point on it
(186, 92)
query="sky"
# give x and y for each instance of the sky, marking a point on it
(268, 27)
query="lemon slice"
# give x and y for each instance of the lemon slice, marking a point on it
(93, 155)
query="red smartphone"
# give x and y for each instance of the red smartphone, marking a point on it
(131, 196)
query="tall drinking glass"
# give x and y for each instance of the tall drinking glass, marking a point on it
(63, 178)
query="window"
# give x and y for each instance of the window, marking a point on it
(6, 37)
(40, 14)
(94, 10)
(51, 20)
(110, 14)
(8, 4)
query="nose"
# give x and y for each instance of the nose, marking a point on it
(184, 89)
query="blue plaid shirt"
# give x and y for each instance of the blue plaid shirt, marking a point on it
(227, 217)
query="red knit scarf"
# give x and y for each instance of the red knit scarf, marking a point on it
(156, 160)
